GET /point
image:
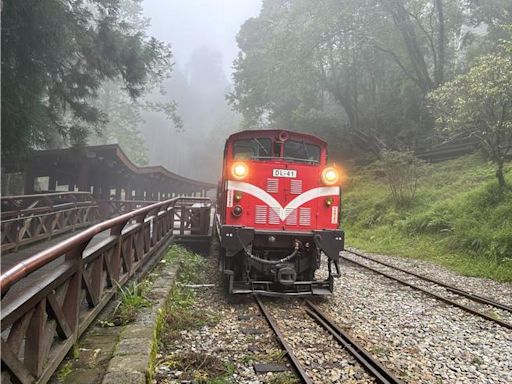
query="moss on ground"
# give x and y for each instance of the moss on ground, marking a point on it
(459, 219)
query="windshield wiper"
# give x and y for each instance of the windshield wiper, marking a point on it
(261, 145)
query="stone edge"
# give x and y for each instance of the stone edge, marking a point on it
(134, 355)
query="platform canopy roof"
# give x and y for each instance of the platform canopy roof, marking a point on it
(104, 168)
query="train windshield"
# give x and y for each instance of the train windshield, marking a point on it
(301, 151)
(255, 148)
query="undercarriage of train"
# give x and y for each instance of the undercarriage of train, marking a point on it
(279, 263)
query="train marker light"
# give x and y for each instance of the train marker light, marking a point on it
(238, 195)
(239, 170)
(329, 201)
(330, 176)
(237, 210)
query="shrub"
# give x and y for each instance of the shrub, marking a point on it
(429, 222)
(401, 171)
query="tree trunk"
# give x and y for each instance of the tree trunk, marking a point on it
(439, 71)
(414, 51)
(501, 177)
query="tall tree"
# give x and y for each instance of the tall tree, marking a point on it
(55, 56)
(373, 60)
(124, 114)
(479, 104)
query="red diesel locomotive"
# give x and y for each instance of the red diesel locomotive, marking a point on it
(277, 213)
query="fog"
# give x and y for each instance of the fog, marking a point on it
(202, 35)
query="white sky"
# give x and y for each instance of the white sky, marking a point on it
(191, 24)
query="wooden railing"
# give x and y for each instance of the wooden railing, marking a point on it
(30, 218)
(19, 205)
(49, 299)
(111, 208)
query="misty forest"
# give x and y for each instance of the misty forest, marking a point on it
(384, 82)
(369, 75)
(256, 191)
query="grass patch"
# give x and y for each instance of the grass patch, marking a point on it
(201, 368)
(182, 312)
(64, 372)
(132, 300)
(283, 378)
(191, 264)
(459, 218)
(270, 356)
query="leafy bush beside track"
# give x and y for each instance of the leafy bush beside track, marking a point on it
(459, 217)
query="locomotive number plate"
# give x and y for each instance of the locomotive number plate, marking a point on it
(284, 173)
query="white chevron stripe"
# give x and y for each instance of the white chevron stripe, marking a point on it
(282, 212)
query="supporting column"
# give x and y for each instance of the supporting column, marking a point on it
(83, 176)
(28, 186)
(52, 183)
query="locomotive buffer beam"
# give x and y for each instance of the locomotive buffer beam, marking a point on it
(238, 240)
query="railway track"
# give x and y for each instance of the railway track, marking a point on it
(478, 299)
(375, 370)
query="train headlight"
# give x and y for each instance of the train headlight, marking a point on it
(330, 176)
(239, 170)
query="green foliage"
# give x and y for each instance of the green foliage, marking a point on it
(64, 372)
(479, 104)
(182, 312)
(401, 171)
(55, 56)
(132, 299)
(124, 120)
(191, 264)
(460, 218)
(366, 64)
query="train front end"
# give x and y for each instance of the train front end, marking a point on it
(278, 215)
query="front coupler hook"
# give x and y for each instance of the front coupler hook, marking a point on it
(336, 266)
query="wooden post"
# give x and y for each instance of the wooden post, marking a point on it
(28, 186)
(52, 183)
(83, 176)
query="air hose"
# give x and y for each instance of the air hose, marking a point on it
(283, 260)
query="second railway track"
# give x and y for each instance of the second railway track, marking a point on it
(376, 372)
(435, 289)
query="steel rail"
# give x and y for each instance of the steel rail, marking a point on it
(46, 256)
(432, 294)
(451, 288)
(291, 356)
(369, 363)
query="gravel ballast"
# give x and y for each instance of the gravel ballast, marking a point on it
(418, 338)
